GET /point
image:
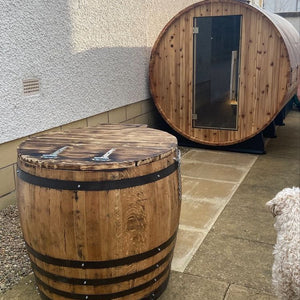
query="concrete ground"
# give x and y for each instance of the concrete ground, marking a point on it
(226, 236)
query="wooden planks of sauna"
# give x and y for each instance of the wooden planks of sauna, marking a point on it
(268, 70)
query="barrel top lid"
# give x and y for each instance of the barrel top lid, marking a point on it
(95, 148)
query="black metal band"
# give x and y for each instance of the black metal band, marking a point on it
(105, 296)
(96, 185)
(101, 281)
(151, 296)
(100, 264)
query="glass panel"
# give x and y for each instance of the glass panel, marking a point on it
(216, 67)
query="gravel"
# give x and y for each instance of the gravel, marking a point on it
(14, 261)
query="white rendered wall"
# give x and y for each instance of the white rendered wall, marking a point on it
(90, 56)
(282, 5)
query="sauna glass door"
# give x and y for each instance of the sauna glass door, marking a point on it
(216, 69)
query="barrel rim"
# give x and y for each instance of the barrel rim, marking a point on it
(144, 151)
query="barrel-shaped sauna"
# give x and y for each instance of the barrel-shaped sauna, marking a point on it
(221, 70)
(99, 211)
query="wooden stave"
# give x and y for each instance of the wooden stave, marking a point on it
(216, 137)
(124, 286)
(139, 169)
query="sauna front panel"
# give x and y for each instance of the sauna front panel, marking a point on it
(216, 69)
(221, 70)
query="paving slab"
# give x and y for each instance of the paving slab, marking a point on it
(209, 190)
(234, 260)
(199, 214)
(254, 195)
(188, 241)
(246, 223)
(286, 133)
(275, 178)
(287, 143)
(212, 171)
(292, 122)
(236, 292)
(278, 165)
(187, 287)
(209, 179)
(281, 150)
(221, 157)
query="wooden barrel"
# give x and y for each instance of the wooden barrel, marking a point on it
(99, 210)
(222, 70)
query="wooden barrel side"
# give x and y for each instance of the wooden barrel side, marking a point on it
(291, 40)
(93, 227)
(111, 241)
(266, 80)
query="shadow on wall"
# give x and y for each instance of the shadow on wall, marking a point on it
(72, 85)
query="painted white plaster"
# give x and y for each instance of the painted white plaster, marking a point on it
(282, 5)
(90, 56)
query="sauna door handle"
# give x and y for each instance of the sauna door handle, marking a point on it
(233, 76)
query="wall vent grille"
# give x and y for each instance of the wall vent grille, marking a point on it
(31, 86)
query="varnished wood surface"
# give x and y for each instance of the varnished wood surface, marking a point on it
(268, 70)
(99, 226)
(134, 145)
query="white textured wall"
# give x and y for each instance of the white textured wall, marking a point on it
(282, 5)
(90, 56)
(257, 2)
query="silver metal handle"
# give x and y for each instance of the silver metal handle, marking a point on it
(233, 75)
(104, 157)
(55, 153)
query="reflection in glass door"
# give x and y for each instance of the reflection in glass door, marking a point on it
(216, 69)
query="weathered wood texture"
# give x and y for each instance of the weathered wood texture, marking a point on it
(112, 243)
(270, 58)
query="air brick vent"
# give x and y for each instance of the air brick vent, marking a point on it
(31, 86)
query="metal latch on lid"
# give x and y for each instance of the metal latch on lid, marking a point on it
(55, 153)
(104, 157)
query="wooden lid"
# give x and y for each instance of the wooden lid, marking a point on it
(95, 148)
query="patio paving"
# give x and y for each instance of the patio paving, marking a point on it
(209, 179)
(226, 236)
